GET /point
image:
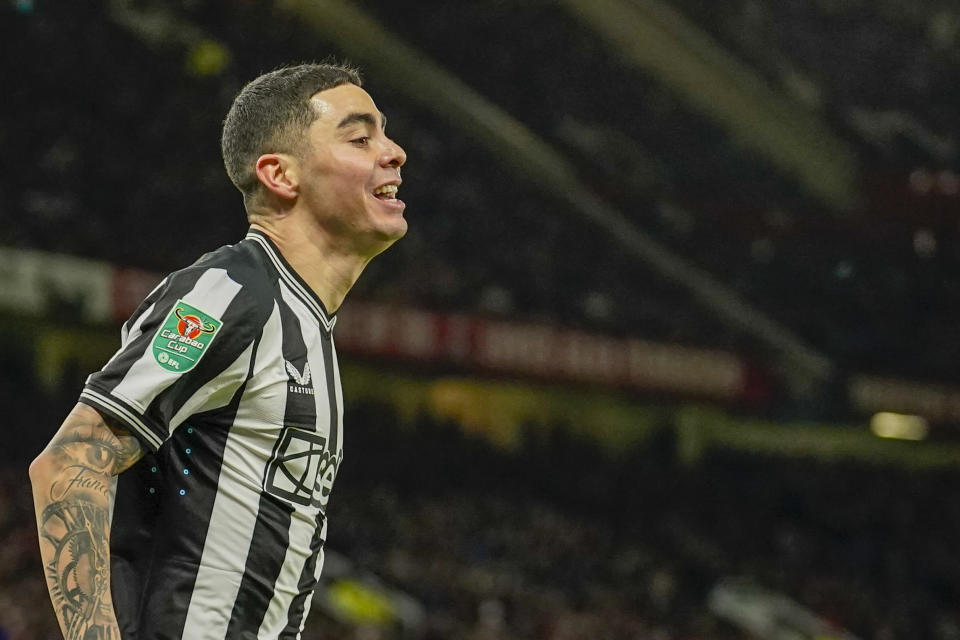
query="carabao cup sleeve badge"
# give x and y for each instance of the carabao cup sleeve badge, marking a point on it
(184, 337)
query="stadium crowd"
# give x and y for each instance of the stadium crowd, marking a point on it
(880, 70)
(558, 540)
(875, 288)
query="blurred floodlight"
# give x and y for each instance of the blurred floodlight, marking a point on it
(207, 58)
(899, 426)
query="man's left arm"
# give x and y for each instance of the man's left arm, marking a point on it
(71, 481)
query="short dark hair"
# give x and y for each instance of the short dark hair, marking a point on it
(271, 115)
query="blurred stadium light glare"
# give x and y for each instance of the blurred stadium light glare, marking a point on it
(887, 424)
(207, 58)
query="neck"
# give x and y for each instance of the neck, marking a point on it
(328, 272)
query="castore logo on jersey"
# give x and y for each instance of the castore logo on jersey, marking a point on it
(299, 383)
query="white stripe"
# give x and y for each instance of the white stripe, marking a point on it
(132, 419)
(291, 281)
(146, 379)
(285, 589)
(248, 447)
(214, 396)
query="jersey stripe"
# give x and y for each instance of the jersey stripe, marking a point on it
(332, 385)
(290, 279)
(132, 330)
(234, 515)
(270, 534)
(299, 553)
(305, 585)
(264, 591)
(208, 398)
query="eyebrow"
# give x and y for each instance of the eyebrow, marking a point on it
(365, 118)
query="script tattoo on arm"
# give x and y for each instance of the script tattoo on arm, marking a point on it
(71, 482)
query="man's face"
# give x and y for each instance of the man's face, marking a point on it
(350, 172)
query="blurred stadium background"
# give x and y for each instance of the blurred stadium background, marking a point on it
(670, 351)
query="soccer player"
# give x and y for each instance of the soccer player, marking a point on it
(185, 494)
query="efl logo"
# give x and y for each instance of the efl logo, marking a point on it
(302, 470)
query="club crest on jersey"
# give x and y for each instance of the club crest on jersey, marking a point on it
(184, 337)
(299, 383)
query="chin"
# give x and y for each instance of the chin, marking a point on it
(386, 237)
(395, 230)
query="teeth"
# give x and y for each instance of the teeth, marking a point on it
(389, 190)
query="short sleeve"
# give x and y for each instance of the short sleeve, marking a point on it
(185, 350)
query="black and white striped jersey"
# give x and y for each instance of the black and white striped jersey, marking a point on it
(227, 372)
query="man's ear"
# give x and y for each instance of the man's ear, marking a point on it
(278, 172)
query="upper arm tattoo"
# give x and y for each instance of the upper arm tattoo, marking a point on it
(73, 508)
(86, 439)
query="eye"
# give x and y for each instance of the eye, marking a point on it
(361, 141)
(99, 457)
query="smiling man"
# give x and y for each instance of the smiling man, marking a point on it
(185, 495)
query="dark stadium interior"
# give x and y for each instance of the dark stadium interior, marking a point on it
(111, 140)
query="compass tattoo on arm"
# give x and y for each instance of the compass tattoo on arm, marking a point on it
(71, 485)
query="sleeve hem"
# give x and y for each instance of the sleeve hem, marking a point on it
(121, 411)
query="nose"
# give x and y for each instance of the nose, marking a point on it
(393, 155)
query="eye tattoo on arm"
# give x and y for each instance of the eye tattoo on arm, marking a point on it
(72, 495)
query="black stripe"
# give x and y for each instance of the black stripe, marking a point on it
(327, 344)
(271, 534)
(151, 594)
(306, 584)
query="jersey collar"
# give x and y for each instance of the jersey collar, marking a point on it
(293, 280)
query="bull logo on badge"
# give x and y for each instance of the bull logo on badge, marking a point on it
(191, 326)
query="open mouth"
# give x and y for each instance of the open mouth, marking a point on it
(386, 192)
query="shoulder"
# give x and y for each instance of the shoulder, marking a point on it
(232, 281)
(243, 262)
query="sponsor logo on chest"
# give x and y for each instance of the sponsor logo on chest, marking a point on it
(302, 469)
